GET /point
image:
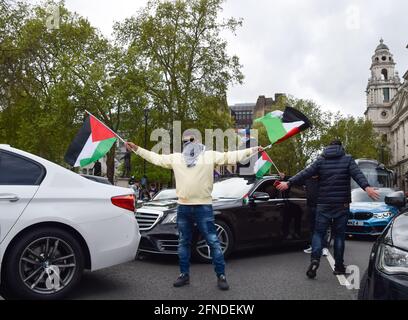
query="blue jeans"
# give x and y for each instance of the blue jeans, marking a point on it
(337, 215)
(312, 218)
(203, 216)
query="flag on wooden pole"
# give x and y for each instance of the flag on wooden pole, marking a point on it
(93, 141)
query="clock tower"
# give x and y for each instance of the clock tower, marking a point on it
(382, 87)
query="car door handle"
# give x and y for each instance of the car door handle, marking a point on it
(279, 205)
(9, 197)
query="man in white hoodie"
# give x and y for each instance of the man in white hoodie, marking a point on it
(194, 175)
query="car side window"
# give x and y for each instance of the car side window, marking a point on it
(269, 188)
(297, 191)
(16, 170)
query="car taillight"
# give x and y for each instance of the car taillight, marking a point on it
(125, 202)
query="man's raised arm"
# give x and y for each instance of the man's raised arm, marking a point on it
(161, 160)
(232, 157)
(303, 175)
(359, 177)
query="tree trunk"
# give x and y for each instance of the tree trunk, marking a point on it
(110, 164)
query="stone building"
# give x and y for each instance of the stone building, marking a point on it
(387, 108)
(245, 113)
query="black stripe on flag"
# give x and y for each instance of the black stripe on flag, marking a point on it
(78, 143)
(292, 115)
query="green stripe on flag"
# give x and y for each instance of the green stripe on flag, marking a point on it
(263, 170)
(273, 126)
(103, 148)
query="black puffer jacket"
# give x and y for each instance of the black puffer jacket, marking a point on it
(334, 169)
(312, 191)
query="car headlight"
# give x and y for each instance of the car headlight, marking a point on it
(382, 215)
(392, 260)
(170, 218)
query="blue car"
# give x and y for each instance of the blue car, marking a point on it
(369, 217)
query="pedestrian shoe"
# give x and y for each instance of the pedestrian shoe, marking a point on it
(308, 250)
(341, 270)
(312, 270)
(182, 280)
(325, 252)
(222, 282)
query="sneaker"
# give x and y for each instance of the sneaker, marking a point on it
(308, 250)
(312, 270)
(182, 280)
(325, 252)
(222, 283)
(341, 270)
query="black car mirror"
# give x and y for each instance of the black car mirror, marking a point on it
(260, 196)
(396, 199)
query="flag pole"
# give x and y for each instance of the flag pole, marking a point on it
(118, 136)
(273, 163)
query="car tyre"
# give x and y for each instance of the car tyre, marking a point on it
(200, 251)
(363, 291)
(64, 253)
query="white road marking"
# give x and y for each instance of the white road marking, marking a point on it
(342, 279)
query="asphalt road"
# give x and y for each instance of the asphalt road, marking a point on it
(264, 274)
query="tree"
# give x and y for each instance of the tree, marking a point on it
(175, 48)
(358, 137)
(50, 77)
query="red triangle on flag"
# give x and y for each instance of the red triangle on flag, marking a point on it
(99, 130)
(265, 157)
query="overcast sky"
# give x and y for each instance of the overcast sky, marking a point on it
(315, 49)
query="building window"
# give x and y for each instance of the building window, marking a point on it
(386, 93)
(384, 74)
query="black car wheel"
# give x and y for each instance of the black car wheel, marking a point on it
(363, 291)
(44, 264)
(201, 251)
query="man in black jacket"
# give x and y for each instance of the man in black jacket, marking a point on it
(334, 169)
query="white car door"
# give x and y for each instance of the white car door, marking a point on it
(20, 178)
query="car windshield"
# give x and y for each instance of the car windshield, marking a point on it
(167, 194)
(233, 188)
(359, 195)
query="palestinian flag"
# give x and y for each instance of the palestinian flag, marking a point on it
(262, 165)
(283, 125)
(92, 142)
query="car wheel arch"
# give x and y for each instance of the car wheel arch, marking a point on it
(73, 231)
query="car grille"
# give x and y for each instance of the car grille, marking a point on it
(147, 219)
(168, 245)
(362, 215)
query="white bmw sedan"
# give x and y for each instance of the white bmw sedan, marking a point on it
(55, 223)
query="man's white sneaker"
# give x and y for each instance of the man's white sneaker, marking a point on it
(325, 252)
(308, 250)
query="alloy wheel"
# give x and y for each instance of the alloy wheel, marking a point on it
(47, 265)
(204, 250)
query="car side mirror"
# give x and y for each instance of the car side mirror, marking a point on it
(260, 196)
(396, 199)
